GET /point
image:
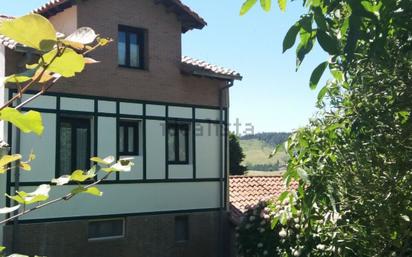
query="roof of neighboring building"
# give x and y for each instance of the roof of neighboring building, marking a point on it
(189, 18)
(202, 68)
(247, 191)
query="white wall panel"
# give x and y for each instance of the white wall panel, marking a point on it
(76, 104)
(155, 110)
(43, 101)
(44, 147)
(107, 106)
(207, 150)
(137, 170)
(180, 112)
(180, 171)
(131, 109)
(132, 198)
(155, 149)
(207, 114)
(106, 138)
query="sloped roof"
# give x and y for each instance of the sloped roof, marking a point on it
(247, 191)
(7, 42)
(189, 18)
(203, 68)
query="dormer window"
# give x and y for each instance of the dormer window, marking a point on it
(131, 47)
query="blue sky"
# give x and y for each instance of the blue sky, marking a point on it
(272, 96)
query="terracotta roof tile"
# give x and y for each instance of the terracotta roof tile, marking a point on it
(10, 43)
(191, 20)
(199, 65)
(246, 191)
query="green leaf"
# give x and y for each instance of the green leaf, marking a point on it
(266, 4)
(327, 42)
(303, 174)
(320, 19)
(32, 30)
(317, 74)
(283, 218)
(39, 195)
(304, 47)
(247, 6)
(25, 166)
(283, 196)
(106, 161)
(282, 5)
(92, 191)
(28, 122)
(337, 74)
(290, 37)
(21, 77)
(63, 180)
(81, 176)
(274, 222)
(322, 93)
(67, 63)
(276, 150)
(7, 159)
(368, 6)
(2, 248)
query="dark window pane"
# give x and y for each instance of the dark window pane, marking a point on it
(65, 148)
(121, 48)
(106, 228)
(82, 148)
(181, 228)
(130, 139)
(182, 144)
(134, 51)
(171, 144)
(121, 139)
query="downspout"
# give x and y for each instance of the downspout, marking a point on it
(223, 171)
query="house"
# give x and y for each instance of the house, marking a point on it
(143, 100)
(246, 192)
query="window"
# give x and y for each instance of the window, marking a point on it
(104, 229)
(178, 143)
(181, 228)
(131, 47)
(129, 138)
(74, 144)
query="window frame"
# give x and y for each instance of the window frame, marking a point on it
(136, 125)
(75, 122)
(141, 40)
(176, 127)
(123, 235)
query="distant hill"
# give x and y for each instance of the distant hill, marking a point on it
(257, 149)
(270, 138)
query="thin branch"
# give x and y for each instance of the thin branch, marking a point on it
(63, 198)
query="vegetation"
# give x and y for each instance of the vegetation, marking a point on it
(58, 57)
(236, 156)
(353, 161)
(257, 152)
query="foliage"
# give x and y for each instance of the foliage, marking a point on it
(236, 156)
(58, 57)
(353, 161)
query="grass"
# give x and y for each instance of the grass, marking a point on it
(257, 152)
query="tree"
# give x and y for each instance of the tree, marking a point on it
(236, 156)
(352, 161)
(58, 57)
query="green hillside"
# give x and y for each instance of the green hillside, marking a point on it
(257, 156)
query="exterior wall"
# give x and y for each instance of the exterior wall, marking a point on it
(146, 236)
(65, 22)
(163, 81)
(154, 185)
